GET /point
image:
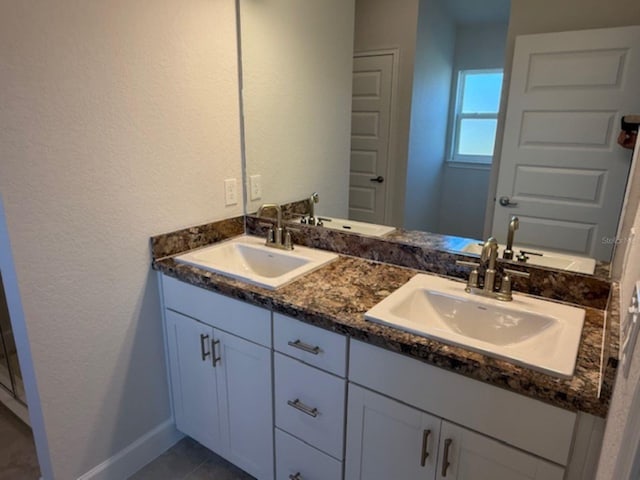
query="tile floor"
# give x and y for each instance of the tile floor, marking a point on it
(188, 460)
(18, 460)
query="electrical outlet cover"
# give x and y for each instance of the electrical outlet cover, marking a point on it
(230, 191)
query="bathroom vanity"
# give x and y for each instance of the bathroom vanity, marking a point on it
(294, 383)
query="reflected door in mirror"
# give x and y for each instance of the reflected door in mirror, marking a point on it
(370, 130)
(560, 167)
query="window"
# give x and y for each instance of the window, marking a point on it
(476, 115)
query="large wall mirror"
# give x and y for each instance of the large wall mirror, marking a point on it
(417, 114)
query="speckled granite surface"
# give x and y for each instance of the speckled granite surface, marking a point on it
(611, 350)
(568, 287)
(336, 296)
(194, 237)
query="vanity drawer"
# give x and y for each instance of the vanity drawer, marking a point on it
(315, 346)
(296, 457)
(310, 404)
(233, 316)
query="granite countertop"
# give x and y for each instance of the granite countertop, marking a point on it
(336, 297)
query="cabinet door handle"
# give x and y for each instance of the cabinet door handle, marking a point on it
(298, 405)
(297, 476)
(214, 359)
(305, 347)
(425, 444)
(445, 456)
(203, 340)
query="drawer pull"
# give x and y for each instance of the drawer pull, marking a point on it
(297, 476)
(214, 359)
(305, 347)
(425, 444)
(445, 457)
(203, 340)
(298, 405)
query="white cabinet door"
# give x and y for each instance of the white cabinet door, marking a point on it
(465, 455)
(243, 373)
(193, 383)
(388, 440)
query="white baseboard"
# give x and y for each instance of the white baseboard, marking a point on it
(137, 454)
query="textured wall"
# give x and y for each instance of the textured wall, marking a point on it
(118, 120)
(297, 75)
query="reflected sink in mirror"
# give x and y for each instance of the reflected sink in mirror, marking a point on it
(543, 258)
(538, 334)
(363, 228)
(247, 258)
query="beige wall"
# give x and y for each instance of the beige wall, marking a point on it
(384, 24)
(119, 120)
(297, 75)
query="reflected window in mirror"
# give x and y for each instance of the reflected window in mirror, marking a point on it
(475, 116)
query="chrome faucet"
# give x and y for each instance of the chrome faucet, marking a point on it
(311, 218)
(488, 262)
(514, 224)
(278, 237)
(313, 199)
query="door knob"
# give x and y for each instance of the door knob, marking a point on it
(506, 202)
(378, 179)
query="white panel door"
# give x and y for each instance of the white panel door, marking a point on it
(388, 440)
(370, 131)
(560, 166)
(193, 380)
(466, 455)
(243, 371)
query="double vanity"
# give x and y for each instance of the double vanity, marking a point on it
(319, 363)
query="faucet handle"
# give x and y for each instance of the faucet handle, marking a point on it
(473, 281)
(288, 243)
(504, 293)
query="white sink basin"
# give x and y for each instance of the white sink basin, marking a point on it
(542, 335)
(248, 259)
(344, 225)
(549, 258)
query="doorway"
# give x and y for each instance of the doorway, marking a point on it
(11, 383)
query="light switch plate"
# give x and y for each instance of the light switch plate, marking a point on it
(230, 191)
(255, 187)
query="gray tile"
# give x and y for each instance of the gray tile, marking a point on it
(18, 459)
(176, 463)
(217, 468)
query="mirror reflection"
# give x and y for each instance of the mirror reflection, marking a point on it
(392, 112)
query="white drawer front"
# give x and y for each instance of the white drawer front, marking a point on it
(312, 389)
(526, 423)
(295, 457)
(233, 316)
(315, 346)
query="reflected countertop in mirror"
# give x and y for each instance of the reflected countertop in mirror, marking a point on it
(458, 247)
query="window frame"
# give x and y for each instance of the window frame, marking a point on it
(458, 117)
